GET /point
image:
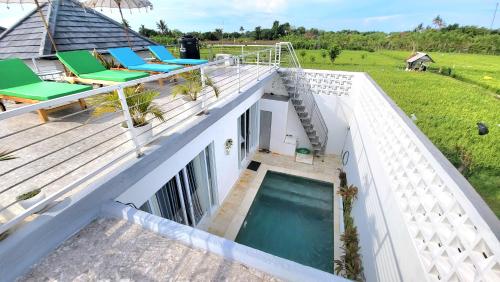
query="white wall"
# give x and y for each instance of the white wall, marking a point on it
(336, 112)
(294, 127)
(227, 168)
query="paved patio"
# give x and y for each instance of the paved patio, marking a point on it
(115, 250)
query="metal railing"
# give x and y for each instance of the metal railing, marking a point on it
(302, 89)
(59, 156)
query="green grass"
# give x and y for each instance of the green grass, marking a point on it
(447, 108)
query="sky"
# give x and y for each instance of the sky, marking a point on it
(362, 15)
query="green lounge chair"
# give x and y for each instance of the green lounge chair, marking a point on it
(88, 69)
(20, 84)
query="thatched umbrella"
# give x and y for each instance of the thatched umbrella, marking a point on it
(120, 5)
(38, 7)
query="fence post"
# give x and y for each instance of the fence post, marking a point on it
(270, 60)
(258, 65)
(276, 55)
(239, 73)
(203, 84)
(128, 120)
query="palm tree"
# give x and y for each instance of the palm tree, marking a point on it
(193, 85)
(438, 22)
(162, 27)
(139, 101)
(242, 29)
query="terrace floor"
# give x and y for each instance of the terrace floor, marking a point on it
(228, 219)
(115, 250)
(75, 143)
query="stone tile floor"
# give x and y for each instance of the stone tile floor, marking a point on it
(115, 250)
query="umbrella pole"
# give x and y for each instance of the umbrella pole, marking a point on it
(124, 26)
(46, 25)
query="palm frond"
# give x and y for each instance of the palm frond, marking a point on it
(6, 155)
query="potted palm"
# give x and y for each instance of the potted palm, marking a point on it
(141, 107)
(31, 198)
(193, 85)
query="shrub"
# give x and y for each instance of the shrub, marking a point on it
(28, 195)
(334, 53)
(313, 59)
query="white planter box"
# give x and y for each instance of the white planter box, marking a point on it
(143, 133)
(26, 204)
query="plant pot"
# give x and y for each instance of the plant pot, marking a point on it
(143, 133)
(26, 204)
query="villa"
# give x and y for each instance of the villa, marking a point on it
(239, 180)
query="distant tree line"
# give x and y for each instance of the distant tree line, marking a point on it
(439, 37)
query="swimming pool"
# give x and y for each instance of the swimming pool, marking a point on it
(292, 217)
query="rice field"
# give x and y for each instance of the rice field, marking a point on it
(447, 108)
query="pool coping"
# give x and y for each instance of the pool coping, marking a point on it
(252, 189)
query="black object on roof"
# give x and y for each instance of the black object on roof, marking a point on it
(74, 27)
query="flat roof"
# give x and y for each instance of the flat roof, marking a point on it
(113, 249)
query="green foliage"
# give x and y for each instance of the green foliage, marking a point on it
(192, 86)
(6, 155)
(334, 52)
(313, 59)
(447, 108)
(28, 195)
(465, 39)
(349, 264)
(108, 63)
(139, 101)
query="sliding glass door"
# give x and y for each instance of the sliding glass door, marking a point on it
(189, 195)
(248, 132)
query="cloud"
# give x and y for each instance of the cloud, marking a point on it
(381, 18)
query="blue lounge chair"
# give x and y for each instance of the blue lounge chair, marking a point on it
(162, 54)
(132, 61)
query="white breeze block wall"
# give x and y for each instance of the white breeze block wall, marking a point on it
(414, 220)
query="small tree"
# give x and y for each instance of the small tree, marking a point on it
(302, 54)
(313, 59)
(438, 22)
(323, 55)
(334, 52)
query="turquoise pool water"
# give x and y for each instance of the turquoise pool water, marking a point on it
(292, 217)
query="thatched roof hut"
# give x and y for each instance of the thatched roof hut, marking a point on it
(418, 61)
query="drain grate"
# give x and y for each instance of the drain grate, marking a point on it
(253, 165)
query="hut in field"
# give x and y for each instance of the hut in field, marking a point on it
(2, 29)
(418, 61)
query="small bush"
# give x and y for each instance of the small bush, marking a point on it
(29, 195)
(334, 52)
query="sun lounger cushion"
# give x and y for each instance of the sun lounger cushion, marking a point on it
(162, 54)
(80, 62)
(132, 61)
(155, 67)
(86, 66)
(18, 80)
(45, 90)
(114, 75)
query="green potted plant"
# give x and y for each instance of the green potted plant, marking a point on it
(31, 198)
(193, 86)
(141, 107)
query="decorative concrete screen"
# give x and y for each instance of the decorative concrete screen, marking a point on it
(412, 200)
(329, 83)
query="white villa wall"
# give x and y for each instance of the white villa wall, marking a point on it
(284, 122)
(386, 248)
(226, 165)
